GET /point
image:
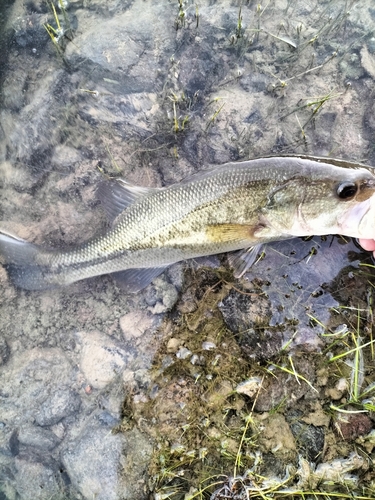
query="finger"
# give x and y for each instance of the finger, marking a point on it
(367, 244)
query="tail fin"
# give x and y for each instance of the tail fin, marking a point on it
(21, 264)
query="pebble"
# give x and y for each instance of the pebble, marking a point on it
(183, 353)
(350, 426)
(249, 387)
(173, 345)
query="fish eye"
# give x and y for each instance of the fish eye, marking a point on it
(347, 190)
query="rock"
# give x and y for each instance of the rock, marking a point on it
(60, 404)
(337, 470)
(135, 323)
(250, 387)
(368, 61)
(64, 156)
(183, 353)
(161, 297)
(241, 311)
(173, 344)
(37, 437)
(102, 358)
(309, 438)
(284, 387)
(38, 479)
(341, 387)
(92, 463)
(33, 139)
(4, 351)
(30, 381)
(350, 426)
(277, 436)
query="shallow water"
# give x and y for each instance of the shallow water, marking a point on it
(153, 92)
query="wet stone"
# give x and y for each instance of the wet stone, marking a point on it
(161, 297)
(352, 425)
(92, 464)
(37, 437)
(25, 381)
(97, 51)
(246, 316)
(102, 358)
(29, 33)
(135, 323)
(38, 479)
(260, 345)
(309, 438)
(60, 404)
(106, 418)
(4, 351)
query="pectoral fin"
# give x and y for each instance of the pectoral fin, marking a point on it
(225, 233)
(242, 261)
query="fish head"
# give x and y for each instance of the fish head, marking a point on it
(356, 207)
(325, 200)
(358, 220)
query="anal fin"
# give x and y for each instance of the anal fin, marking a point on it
(134, 280)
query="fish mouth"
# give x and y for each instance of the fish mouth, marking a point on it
(359, 221)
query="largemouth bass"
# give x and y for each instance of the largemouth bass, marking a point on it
(232, 207)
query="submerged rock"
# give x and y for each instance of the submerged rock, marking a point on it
(93, 460)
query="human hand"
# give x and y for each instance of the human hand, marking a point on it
(367, 245)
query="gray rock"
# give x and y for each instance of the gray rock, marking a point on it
(32, 385)
(60, 404)
(135, 323)
(37, 437)
(161, 297)
(106, 418)
(34, 138)
(92, 462)
(102, 358)
(4, 351)
(37, 479)
(309, 438)
(241, 312)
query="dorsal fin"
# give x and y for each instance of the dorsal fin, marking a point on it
(331, 161)
(117, 195)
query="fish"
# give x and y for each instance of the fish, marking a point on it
(235, 207)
